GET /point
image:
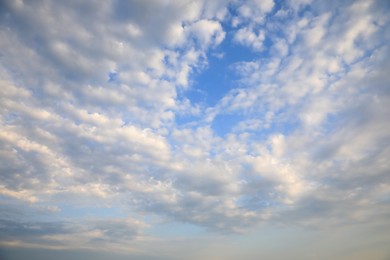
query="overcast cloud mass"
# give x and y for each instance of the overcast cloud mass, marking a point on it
(182, 129)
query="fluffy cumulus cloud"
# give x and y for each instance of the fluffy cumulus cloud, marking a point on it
(103, 139)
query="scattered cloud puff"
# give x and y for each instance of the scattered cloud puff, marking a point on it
(91, 96)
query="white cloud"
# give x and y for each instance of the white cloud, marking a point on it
(254, 10)
(299, 89)
(208, 32)
(93, 96)
(250, 38)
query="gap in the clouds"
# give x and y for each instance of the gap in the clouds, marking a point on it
(112, 76)
(212, 83)
(219, 77)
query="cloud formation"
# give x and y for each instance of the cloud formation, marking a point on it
(100, 134)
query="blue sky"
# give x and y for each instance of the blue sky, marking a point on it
(200, 129)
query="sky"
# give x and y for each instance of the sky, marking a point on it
(194, 129)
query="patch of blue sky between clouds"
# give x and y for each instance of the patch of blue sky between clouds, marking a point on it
(218, 77)
(112, 76)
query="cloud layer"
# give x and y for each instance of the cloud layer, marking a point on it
(101, 139)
